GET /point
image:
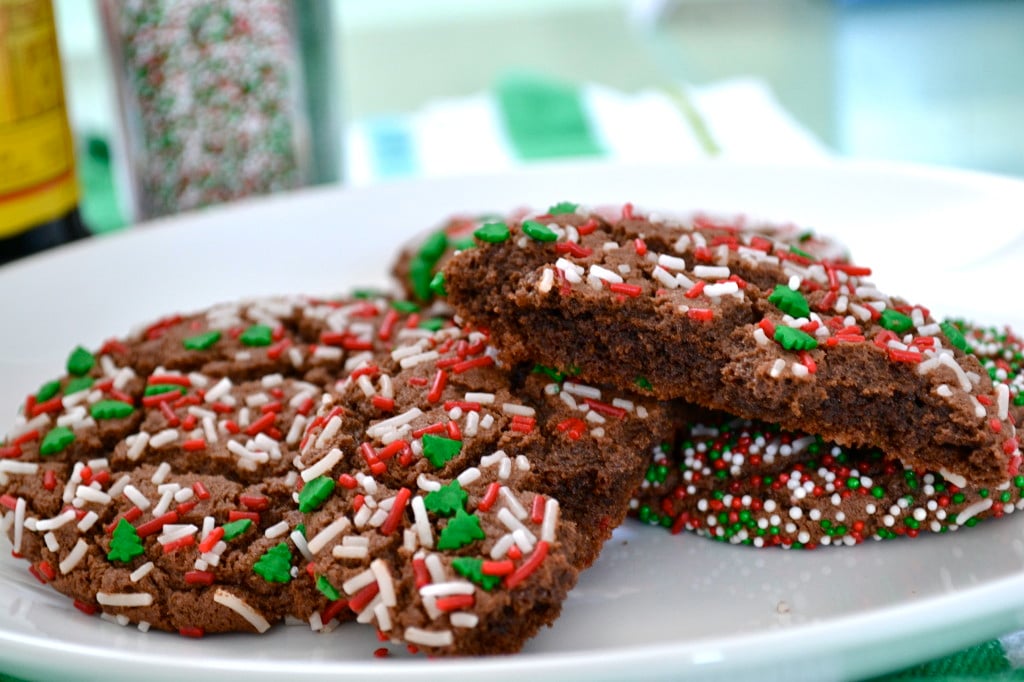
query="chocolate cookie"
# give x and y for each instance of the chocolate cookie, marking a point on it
(454, 502)
(191, 478)
(753, 483)
(736, 321)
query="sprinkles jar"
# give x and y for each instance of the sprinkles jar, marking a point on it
(212, 100)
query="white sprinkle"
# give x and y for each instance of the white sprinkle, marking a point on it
(329, 431)
(711, 271)
(328, 534)
(973, 510)
(447, 588)
(1002, 401)
(9, 466)
(219, 390)
(547, 281)
(419, 358)
(349, 552)
(277, 530)
(956, 479)
(482, 398)
(136, 497)
(136, 445)
(518, 410)
(421, 522)
(322, 466)
(721, 289)
(581, 390)
(383, 616)
(513, 524)
(487, 421)
(74, 557)
(382, 427)
(513, 504)
(522, 463)
(501, 547)
(57, 521)
(468, 477)
(358, 582)
(254, 618)
(127, 599)
(671, 262)
(573, 273)
(161, 473)
(777, 368)
(175, 531)
(431, 638)
(664, 278)
(463, 619)
(384, 580)
(51, 542)
(165, 437)
(88, 521)
(799, 369)
(605, 274)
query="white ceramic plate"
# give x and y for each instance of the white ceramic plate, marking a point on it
(655, 605)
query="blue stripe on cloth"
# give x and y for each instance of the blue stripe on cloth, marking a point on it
(392, 147)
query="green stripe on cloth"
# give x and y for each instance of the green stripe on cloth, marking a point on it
(983, 663)
(545, 119)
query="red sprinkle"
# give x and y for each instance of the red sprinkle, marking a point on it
(200, 490)
(199, 578)
(155, 525)
(897, 355)
(462, 404)
(537, 509)
(700, 314)
(86, 608)
(238, 515)
(194, 445)
(9, 501)
(10, 452)
(455, 602)
(261, 424)
(194, 633)
(466, 365)
(573, 249)
(641, 246)
(180, 543)
(52, 405)
(26, 437)
(382, 403)
(504, 567)
(363, 597)
(606, 409)
(347, 481)
(254, 502)
(333, 609)
(588, 227)
(381, 652)
(631, 290)
(50, 479)
(394, 518)
(490, 497)
(437, 386)
(175, 379)
(211, 539)
(529, 566)
(419, 570)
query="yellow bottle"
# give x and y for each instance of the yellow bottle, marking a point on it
(38, 189)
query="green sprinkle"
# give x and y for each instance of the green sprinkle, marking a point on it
(433, 247)
(80, 361)
(958, 498)
(541, 233)
(954, 335)
(437, 285)
(789, 301)
(439, 450)
(493, 233)
(275, 566)
(201, 341)
(878, 492)
(473, 569)
(111, 409)
(644, 383)
(315, 493)
(406, 307)
(420, 274)
(326, 588)
(257, 335)
(363, 294)
(157, 389)
(433, 324)
(461, 530)
(550, 372)
(794, 339)
(56, 440)
(78, 384)
(48, 390)
(463, 244)
(447, 500)
(563, 207)
(853, 483)
(896, 321)
(235, 528)
(125, 543)
(800, 252)
(301, 528)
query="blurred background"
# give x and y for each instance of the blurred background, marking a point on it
(386, 89)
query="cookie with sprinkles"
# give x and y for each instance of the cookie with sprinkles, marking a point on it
(732, 320)
(753, 483)
(452, 503)
(152, 499)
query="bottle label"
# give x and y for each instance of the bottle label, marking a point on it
(37, 168)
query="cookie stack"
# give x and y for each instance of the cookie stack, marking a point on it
(441, 465)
